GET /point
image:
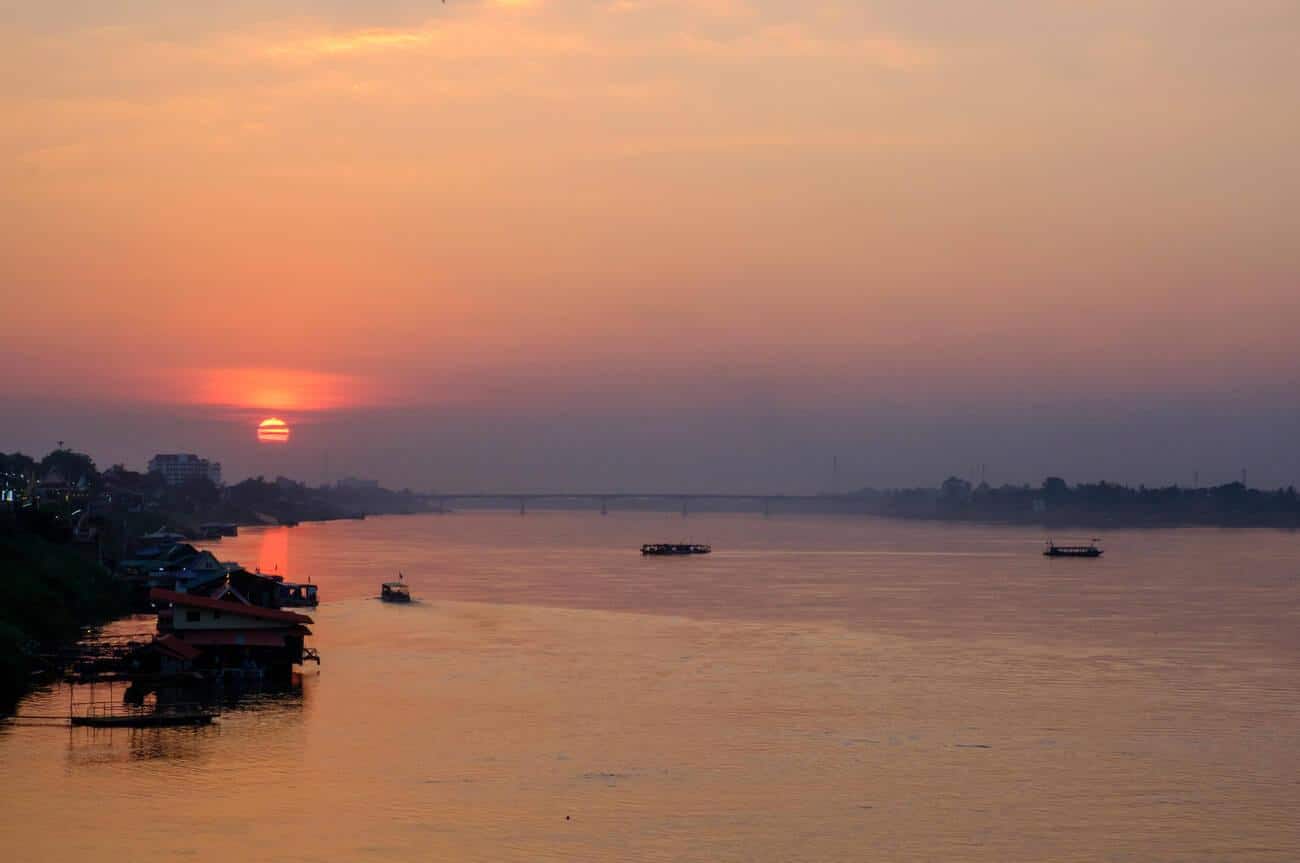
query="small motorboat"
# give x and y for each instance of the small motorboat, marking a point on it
(675, 548)
(1089, 550)
(395, 591)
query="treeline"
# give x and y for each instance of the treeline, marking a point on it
(144, 501)
(254, 499)
(74, 466)
(48, 593)
(1099, 504)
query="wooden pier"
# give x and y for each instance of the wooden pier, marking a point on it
(106, 714)
(112, 713)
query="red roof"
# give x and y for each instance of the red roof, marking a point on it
(190, 600)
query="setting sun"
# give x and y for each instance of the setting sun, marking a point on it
(273, 430)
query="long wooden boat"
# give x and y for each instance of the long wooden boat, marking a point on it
(1090, 550)
(675, 548)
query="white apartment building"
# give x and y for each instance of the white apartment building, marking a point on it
(177, 468)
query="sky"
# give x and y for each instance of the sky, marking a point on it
(656, 244)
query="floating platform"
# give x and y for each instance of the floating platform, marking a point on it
(144, 720)
(1054, 550)
(111, 714)
(675, 548)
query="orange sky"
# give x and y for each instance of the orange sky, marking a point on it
(279, 207)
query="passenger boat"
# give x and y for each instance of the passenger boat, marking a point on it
(292, 595)
(395, 591)
(1089, 550)
(674, 548)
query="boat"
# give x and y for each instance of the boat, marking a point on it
(1089, 550)
(395, 591)
(292, 595)
(675, 548)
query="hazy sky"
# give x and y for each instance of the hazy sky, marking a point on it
(656, 243)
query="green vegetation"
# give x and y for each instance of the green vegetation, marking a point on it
(48, 592)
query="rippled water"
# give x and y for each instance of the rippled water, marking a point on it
(818, 689)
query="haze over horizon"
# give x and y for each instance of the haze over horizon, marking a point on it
(656, 244)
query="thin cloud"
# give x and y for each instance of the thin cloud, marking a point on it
(357, 42)
(792, 42)
(490, 36)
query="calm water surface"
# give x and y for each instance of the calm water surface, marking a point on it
(817, 689)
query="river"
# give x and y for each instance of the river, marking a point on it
(817, 689)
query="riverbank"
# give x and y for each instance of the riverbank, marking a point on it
(257, 503)
(121, 529)
(928, 511)
(1099, 521)
(48, 594)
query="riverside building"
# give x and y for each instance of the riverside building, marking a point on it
(178, 468)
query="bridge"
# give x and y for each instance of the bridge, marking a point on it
(443, 499)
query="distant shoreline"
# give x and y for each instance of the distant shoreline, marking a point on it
(1046, 521)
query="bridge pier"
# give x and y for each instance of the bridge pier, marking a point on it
(685, 507)
(767, 507)
(604, 506)
(523, 510)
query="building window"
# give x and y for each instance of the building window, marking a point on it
(192, 616)
(216, 615)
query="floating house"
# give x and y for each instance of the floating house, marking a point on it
(227, 632)
(179, 567)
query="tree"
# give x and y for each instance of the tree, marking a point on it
(197, 493)
(955, 488)
(1055, 487)
(17, 464)
(73, 466)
